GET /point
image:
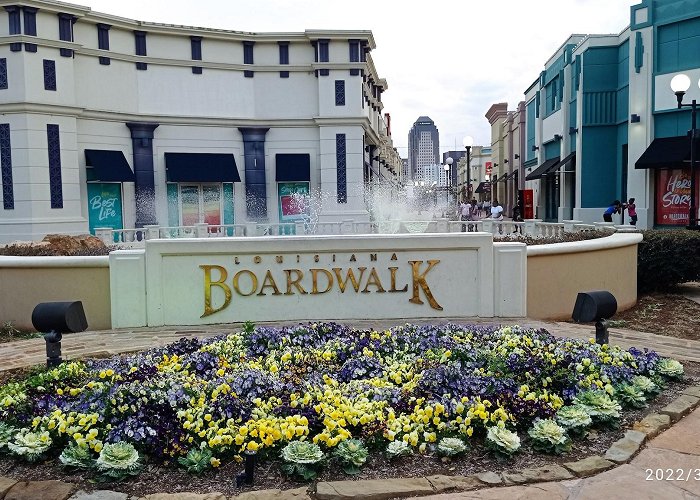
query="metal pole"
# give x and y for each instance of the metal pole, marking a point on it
(692, 215)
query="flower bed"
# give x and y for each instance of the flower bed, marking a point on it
(323, 392)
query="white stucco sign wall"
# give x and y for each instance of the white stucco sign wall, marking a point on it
(207, 281)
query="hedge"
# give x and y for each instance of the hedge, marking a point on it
(667, 258)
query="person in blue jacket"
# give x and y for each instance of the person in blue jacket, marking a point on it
(614, 208)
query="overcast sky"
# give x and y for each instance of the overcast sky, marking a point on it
(448, 59)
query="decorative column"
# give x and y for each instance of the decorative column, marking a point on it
(255, 182)
(142, 144)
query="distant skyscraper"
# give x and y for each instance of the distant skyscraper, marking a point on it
(423, 146)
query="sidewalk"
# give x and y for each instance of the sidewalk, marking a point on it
(667, 469)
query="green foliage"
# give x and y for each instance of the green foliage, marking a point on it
(197, 460)
(352, 455)
(604, 410)
(248, 328)
(631, 396)
(549, 437)
(76, 456)
(30, 445)
(118, 461)
(502, 442)
(575, 419)
(669, 368)
(667, 258)
(450, 447)
(397, 449)
(302, 458)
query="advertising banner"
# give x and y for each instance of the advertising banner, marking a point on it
(104, 206)
(489, 168)
(293, 201)
(673, 197)
(526, 200)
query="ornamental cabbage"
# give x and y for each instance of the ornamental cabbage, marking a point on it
(575, 419)
(352, 455)
(76, 456)
(7, 432)
(302, 452)
(646, 385)
(30, 445)
(549, 437)
(631, 396)
(669, 368)
(449, 447)
(502, 441)
(397, 449)
(119, 460)
(600, 406)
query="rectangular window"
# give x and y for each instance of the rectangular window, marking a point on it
(3, 73)
(54, 149)
(15, 28)
(103, 41)
(284, 57)
(196, 45)
(341, 168)
(248, 57)
(323, 55)
(49, 74)
(8, 195)
(140, 41)
(340, 92)
(29, 26)
(65, 31)
(354, 55)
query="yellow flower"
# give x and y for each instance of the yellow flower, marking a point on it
(215, 462)
(252, 446)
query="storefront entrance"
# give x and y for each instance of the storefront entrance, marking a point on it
(200, 203)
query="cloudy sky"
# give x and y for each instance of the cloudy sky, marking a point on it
(448, 59)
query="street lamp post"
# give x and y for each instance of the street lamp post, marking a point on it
(448, 165)
(468, 142)
(680, 85)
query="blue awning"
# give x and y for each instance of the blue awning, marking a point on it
(292, 167)
(201, 167)
(108, 166)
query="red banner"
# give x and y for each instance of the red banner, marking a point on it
(673, 197)
(488, 168)
(527, 201)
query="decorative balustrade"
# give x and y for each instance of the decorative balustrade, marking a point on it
(530, 227)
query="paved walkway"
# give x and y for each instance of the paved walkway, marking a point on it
(109, 342)
(691, 290)
(667, 469)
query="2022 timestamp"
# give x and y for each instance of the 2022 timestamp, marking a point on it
(673, 474)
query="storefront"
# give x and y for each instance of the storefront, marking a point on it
(669, 157)
(106, 171)
(292, 174)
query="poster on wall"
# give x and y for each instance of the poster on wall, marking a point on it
(293, 200)
(104, 206)
(673, 197)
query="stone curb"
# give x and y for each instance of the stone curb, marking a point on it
(620, 452)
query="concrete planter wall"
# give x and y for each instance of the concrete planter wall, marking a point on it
(555, 274)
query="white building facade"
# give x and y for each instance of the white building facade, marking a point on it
(110, 122)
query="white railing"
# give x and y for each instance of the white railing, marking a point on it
(531, 227)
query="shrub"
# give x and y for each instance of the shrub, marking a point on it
(667, 258)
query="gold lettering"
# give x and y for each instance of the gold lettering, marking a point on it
(280, 259)
(269, 281)
(393, 281)
(316, 258)
(420, 283)
(350, 275)
(393, 257)
(208, 283)
(352, 258)
(373, 279)
(253, 282)
(314, 280)
(294, 282)
(373, 257)
(257, 259)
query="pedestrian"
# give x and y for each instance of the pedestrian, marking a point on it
(497, 214)
(465, 211)
(517, 217)
(614, 208)
(632, 212)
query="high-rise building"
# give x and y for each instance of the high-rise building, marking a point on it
(423, 146)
